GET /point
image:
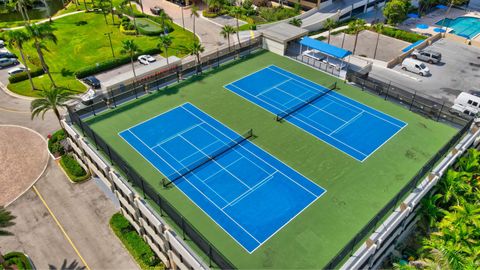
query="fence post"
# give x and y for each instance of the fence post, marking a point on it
(413, 100)
(183, 228)
(440, 111)
(143, 188)
(210, 255)
(92, 109)
(388, 90)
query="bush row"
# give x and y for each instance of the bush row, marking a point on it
(75, 171)
(24, 76)
(112, 63)
(402, 35)
(54, 145)
(134, 243)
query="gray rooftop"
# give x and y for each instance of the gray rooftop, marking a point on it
(283, 32)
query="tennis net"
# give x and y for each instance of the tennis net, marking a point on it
(209, 157)
(284, 114)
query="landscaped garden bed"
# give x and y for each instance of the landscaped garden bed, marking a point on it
(75, 172)
(134, 243)
(17, 260)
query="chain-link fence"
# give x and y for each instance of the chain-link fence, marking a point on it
(410, 99)
(142, 87)
(359, 238)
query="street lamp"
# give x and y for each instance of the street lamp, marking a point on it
(110, 39)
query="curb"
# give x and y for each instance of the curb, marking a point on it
(14, 95)
(44, 168)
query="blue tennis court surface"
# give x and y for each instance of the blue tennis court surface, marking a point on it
(350, 126)
(245, 190)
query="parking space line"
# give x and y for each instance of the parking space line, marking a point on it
(61, 228)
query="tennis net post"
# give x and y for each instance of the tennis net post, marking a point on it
(167, 181)
(280, 116)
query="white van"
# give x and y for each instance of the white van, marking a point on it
(415, 66)
(467, 104)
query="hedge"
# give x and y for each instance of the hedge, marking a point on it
(111, 63)
(18, 259)
(24, 76)
(54, 145)
(402, 35)
(74, 170)
(134, 243)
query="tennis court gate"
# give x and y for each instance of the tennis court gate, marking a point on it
(409, 98)
(161, 83)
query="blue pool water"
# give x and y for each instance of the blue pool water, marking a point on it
(468, 27)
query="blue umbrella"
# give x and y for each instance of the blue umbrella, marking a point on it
(413, 15)
(441, 6)
(439, 30)
(422, 26)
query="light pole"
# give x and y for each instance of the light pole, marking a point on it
(183, 19)
(110, 40)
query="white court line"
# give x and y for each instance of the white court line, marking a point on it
(176, 135)
(183, 159)
(275, 86)
(221, 169)
(166, 162)
(250, 191)
(340, 95)
(346, 123)
(354, 149)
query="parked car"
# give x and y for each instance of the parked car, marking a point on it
(429, 56)
(146, 59)
(88, 97)
(16, 70)
(7, 55)
(156, 10)
(92, 81)
(415, 66)
(6, 62)
(2, 43)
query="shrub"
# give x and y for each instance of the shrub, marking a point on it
(402, 35)
(208, 14)
(262, 3)
(111, 63)
(24, 76)
(396, 11)
(276, 13)
(80, 23)
(74, 170)
(54, 145)
(17, 259)
(134, 243)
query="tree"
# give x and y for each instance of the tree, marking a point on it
(430, 211)
(130, 48)
(378, 27)
(194, 14)
(296, 22)
(195, 49)
(16, 38)
(227, 30)
(6, 220)
(165, 42)
(355, 27)
(132, 13)
(41, 33)
(329, 24)
(214, 5)
(50, 99)
(237, 11)
(163, 16)
(396, 11)
(22, 7)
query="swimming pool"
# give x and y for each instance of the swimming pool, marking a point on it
(468, 27)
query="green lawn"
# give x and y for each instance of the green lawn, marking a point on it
(83, 45)
(355, 191)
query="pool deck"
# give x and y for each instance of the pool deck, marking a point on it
(432, 18)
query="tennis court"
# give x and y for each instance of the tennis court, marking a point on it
(349, 126)
(249, 193)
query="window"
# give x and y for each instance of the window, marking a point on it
(470, 102)
(475, 104)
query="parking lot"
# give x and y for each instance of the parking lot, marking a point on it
(4, 71)
(458, 71)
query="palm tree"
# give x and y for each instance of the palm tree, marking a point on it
(16, 38)
(430, 210)
(194, 14)
(130, 48)
(124, 2)
(355, 27)
(165, 42)
(40, 33)
(227, 30)
(378, 27)
(6, 220)
(195, 49)
(237, 11)
(163, 16)
(470, 162)
(21, 6)
(51, 99)
(329, 24)
(451, 185)
(296, 22)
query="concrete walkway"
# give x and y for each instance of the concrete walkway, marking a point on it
(81, 211)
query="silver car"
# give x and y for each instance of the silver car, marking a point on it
(428, 56)
(6, 62)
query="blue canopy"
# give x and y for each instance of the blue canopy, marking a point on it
(325, 48)
(441, 6)
(413, 15)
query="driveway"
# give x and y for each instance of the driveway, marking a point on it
(459, 71)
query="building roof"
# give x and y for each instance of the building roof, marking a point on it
(283, 32)
(325, 48)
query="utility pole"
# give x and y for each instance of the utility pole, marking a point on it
(110, 40)
(183, 19)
